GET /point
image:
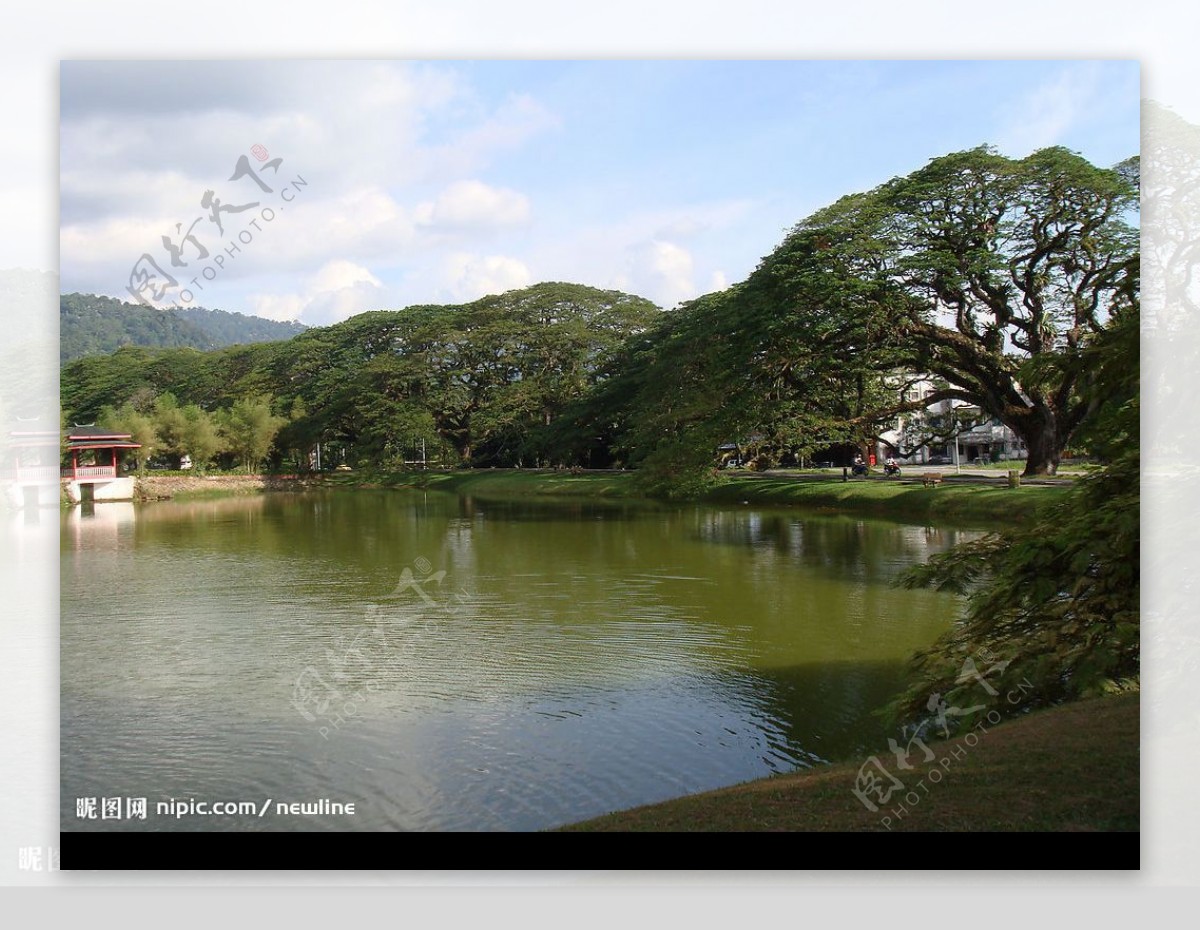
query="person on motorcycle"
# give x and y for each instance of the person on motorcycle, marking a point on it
(859, 467)
(890, 467)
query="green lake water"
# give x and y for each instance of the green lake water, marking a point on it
(446, 663)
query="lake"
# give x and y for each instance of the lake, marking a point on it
(447, 663)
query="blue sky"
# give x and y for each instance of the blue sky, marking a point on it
(440, 181)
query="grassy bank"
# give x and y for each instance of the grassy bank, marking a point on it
(880, 497)
(877, 497)
(1069, 768)
(509, 483)
(961, 502)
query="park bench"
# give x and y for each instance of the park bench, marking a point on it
(930, 478)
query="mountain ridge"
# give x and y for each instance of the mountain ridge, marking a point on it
(93, 325)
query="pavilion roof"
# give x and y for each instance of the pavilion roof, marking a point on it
(103, 444)
(90, 432)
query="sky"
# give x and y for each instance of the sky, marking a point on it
(382, 184)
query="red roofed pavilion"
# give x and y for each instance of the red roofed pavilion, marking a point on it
(102, 447)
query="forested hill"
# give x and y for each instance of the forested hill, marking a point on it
(91, 325)
(229, 329)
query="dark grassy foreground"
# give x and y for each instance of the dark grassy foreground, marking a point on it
(1071, 768)
(876, 496)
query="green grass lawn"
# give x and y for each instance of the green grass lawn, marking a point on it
(1070, 768)
(890, 498)
(906, 499)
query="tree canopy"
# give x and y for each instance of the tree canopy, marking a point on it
(989, 276)
(488, 379)
(994, 274)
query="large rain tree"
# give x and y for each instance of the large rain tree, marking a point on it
(785, 363)
(496, 373)
(1058, 600)
(994, 274)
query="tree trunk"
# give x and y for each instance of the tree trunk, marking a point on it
(1043, 444)
(459, 437)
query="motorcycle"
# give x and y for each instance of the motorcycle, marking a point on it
(859, 469)
(891, 470)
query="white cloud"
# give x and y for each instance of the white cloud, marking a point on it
(1044, 117)
(372, 139)
(365, 223)
(329, 307)
(113, 244)
(472, 204)
(662, 271)
(337, 291)
(646, 253)
(718, 281)
(339, 273)
(518, 119)
(468, 277)
(348, 123)
(279, 307)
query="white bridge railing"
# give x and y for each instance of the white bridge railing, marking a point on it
(32, 474)
(90, 471)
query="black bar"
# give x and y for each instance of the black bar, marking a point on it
(876, 851)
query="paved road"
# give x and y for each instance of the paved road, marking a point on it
(909, 474)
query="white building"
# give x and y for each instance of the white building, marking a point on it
(927, 436)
